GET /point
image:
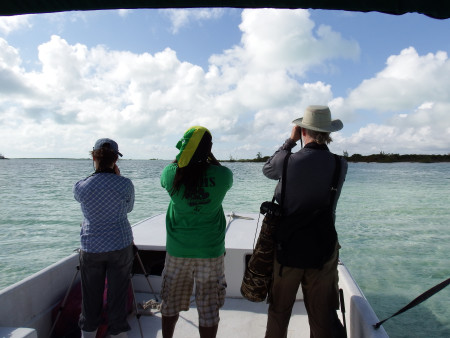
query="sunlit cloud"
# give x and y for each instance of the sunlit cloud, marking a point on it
(247, 96)
(183, 17)
(9, 24)
(408, 81)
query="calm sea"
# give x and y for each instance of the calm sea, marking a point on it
(392, 220)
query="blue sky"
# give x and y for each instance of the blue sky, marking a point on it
(142, 77)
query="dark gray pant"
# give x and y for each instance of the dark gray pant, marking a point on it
(116, 267)
(320, 294)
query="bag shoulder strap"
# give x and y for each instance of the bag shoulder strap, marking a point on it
(283, 179)
(337, 173)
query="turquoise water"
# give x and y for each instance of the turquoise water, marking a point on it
(392, 220)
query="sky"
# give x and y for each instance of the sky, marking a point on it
(143, 77)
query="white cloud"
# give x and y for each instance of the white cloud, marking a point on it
(373, 139)
(183, 17)
(109, 92)
(247, 97)
(411, 92)
(9, 24)
(408, 80)
(284, 40)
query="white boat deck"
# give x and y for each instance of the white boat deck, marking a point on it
(30, 303)
(239, 318)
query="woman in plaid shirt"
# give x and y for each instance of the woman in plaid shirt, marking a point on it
(106, 241)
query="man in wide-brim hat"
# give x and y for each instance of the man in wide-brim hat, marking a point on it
(307, 250)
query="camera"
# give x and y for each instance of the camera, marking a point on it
(270, 208)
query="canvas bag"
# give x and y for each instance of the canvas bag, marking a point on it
(307, 239)
(257, 278)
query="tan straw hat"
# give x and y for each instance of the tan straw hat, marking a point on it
(318, 118)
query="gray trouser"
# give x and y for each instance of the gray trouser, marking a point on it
(115, 266)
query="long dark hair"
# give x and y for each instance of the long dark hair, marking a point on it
(194, 173)
(105, 158)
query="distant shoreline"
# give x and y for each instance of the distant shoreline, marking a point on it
(355, 158)
(377, 158)
(393, 158)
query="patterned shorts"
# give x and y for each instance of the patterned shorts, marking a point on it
(210, 287)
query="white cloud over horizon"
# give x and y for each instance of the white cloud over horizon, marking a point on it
(247, 97)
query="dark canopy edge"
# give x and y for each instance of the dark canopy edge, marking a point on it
(432, 8)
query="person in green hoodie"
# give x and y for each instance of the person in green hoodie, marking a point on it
(195, 226)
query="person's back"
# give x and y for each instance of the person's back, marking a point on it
(195, 227)
(106, 199)
(307, 249)
(309, 176)
(106, 241)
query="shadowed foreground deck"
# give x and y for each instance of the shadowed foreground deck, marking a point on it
(239, 318)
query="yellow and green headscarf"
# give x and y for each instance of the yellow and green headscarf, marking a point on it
(188, 144)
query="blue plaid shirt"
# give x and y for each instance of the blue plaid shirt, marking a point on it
(105, 199)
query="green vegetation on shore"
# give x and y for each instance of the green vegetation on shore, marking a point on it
(258, 158)
(379, 158)
(391, 158)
